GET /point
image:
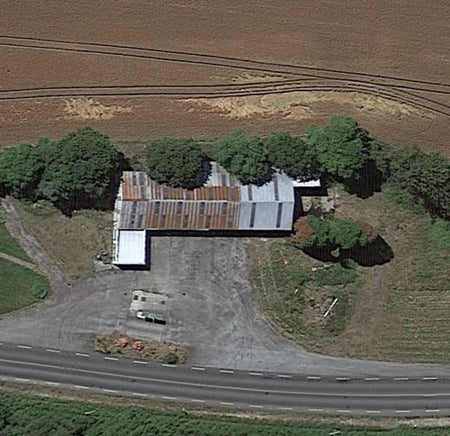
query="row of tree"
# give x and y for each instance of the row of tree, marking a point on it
(342, 150)
(77, 170)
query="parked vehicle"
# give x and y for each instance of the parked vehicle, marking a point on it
(148, 316)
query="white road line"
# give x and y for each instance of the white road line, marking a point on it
(343, 411)
(110, 391)
(255, 373)
(429, 378)
(433, 410)
(169, 366)
(227, 404)
(342, 378)
(313, 377)
(197, 368)
(315, 410)
(372, 378)
(254, 406)
(53, 351)
(110, 358)
(142, 362)
(226, 371)
(21, 379)
(285, 408)
(82, 354)
(138, 394)
(198, 401)
(52, 383)
(81, 387)
(284, 376)
(208, 385)
(170, 398)
(403, 411)
(401, 378)
(373, 411)
(27, 347)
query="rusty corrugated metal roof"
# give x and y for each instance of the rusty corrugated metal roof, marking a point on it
(138, 186)
(181, 215)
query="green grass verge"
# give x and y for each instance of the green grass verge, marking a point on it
(20, 287)
(9, 245)
(21, 415)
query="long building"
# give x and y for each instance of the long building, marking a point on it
(221, 204)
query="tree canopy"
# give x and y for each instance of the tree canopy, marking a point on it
(244, 156)
(79, 167)
(20, 170)
(424, 176)
(292, 155)
(176, 162)
(342, 147)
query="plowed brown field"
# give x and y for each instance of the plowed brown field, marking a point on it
(141, 69)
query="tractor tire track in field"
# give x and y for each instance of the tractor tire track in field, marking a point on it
(401, 90)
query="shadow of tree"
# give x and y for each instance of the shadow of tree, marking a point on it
(378, 252)
(366, 181)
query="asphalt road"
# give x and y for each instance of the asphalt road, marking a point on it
(398, 396)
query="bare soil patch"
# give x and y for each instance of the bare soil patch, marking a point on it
(136, 93)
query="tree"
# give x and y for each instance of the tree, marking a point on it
(244, 156)
(79, 168)
(20, 170)
(176, 162)
(425, 177)
(342, 147)
(292, 155)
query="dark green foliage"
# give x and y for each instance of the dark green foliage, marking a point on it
(79, 168)
(20, 170)
(176, 162)
(244, 156)
(336, 274)
(345, 233)
(342, 147)
(425, 177)
(170, 358)
(25, 416)
(334, 233)
(292, 155)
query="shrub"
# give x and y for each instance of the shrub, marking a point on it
(176, 162)
(336, 274)
(170, 359)
(39, 291)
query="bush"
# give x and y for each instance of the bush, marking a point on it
(176, 162)
(244, 156)
(39, 291)
(170, 359)
(425, 177)
(336, 274)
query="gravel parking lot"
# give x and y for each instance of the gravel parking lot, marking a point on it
(208, 308)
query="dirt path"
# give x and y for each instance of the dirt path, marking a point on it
(34, 250)
(19, 262)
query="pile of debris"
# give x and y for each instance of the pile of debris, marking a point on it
(139, 349)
